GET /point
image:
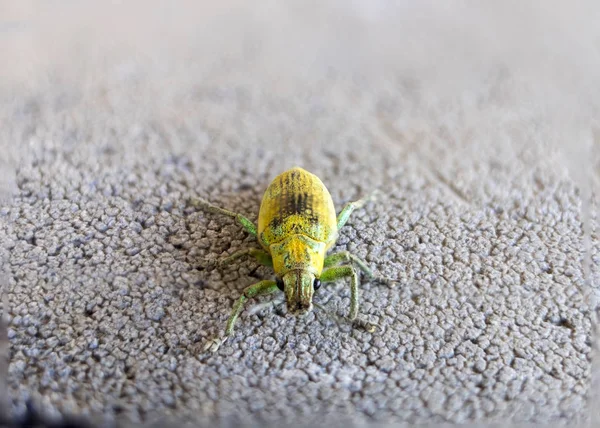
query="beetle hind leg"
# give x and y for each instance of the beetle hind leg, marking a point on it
(203, 204)
(260, 255)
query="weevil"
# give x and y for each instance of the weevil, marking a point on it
(297, 226)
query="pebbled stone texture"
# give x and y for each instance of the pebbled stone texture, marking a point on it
(109, 305)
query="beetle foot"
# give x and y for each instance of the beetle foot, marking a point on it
(367, 325)
(385, 281)
(209, 264)
(375, 195)
(214, 344)
(198, 202)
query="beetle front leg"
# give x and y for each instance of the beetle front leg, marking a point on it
(261, 288)
(346, 256)
(335, 273)
(362, 323)
(207, 206)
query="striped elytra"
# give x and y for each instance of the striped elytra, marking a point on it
(296, 202)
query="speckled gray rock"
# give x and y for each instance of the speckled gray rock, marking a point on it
(108, 302)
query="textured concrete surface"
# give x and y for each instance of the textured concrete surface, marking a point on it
(478, 221)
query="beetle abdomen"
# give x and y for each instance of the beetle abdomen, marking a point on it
(296, 202)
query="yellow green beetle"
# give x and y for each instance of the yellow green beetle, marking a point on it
(297, 225)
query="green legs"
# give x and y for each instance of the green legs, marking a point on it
(362, 323)
(331, 274)
(346, 257)
(344, 215)
(342, 218)
(207, 206)
(261, 288)
(335, 273)
(260, 255)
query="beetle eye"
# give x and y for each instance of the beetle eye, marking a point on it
(279, 283)
(317, 283)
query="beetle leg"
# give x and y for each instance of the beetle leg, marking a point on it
(344, 215)
(270, 304)
(207, 206)
(261, 288)
(335, 273)
(260, 255)
(360, 322)
(346, 256)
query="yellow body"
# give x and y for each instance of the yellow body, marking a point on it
(297, 222)
(297, 225)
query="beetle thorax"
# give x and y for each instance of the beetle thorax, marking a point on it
(298, 252)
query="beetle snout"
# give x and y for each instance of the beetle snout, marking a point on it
(301, 309)
(298, 292)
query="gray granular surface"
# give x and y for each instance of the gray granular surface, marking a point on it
(109, 303)
(110, 300)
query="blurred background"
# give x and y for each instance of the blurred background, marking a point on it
(431, 61)
(512, 84)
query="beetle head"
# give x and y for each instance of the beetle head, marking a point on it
(298, 286)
